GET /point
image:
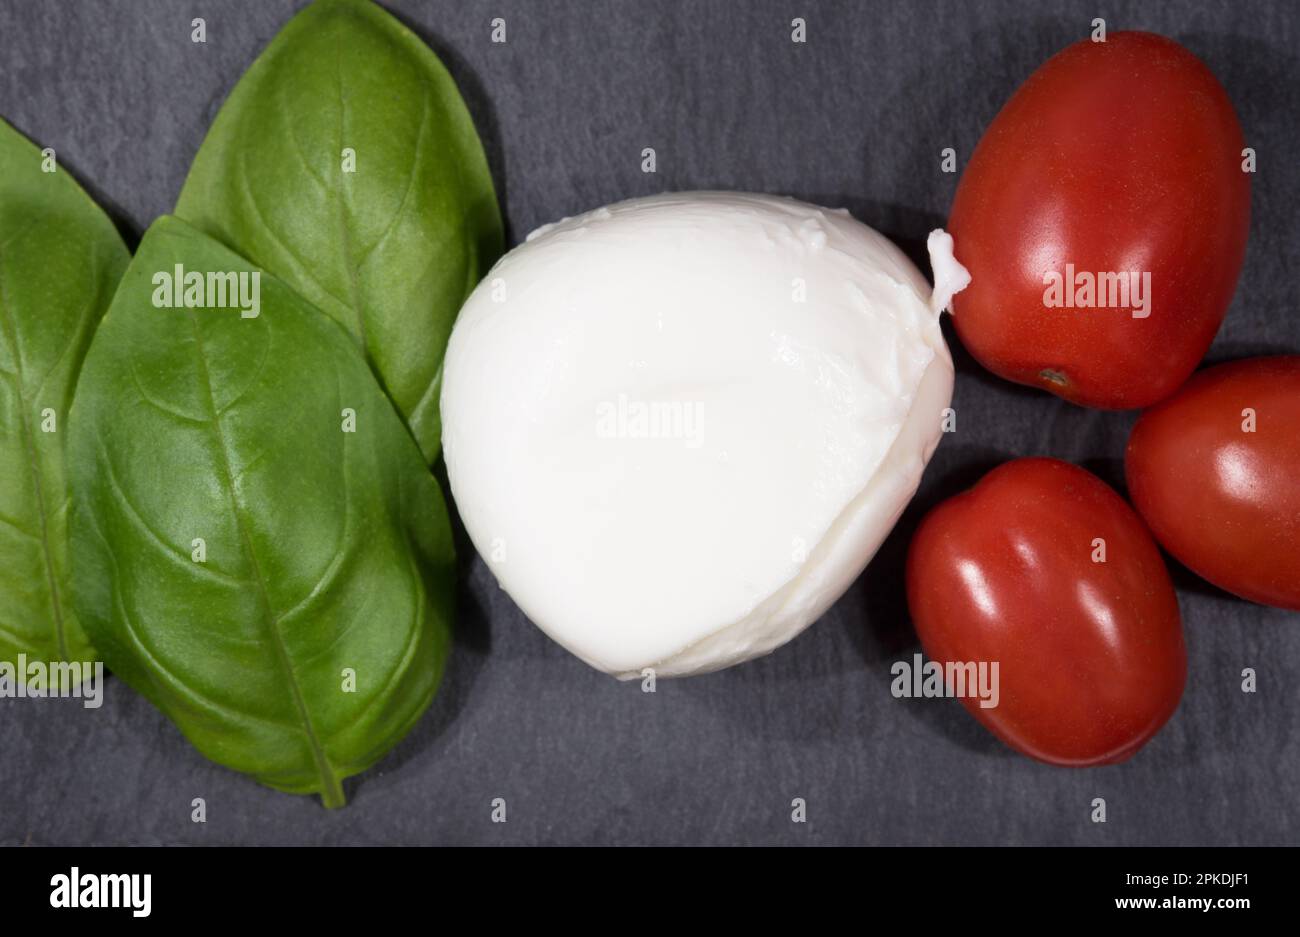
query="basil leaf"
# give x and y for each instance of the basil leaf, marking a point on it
(390, 250)
(60, 259)
(238, 552)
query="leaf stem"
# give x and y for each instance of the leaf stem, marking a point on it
(332, 795)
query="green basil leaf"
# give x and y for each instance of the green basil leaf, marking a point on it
(390, 250)
(60, 259)
(238, 551)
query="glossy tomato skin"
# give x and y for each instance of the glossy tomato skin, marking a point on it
(1090, 654)
(1114, 156)
(1225, 501)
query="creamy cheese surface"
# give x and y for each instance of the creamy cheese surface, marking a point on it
(677, 428)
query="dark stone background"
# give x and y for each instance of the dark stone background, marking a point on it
(857, 118)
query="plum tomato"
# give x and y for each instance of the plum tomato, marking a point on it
(1215, 472)
(1103, 218)
(1044, 569)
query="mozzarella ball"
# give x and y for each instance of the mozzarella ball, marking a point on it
(677, 428)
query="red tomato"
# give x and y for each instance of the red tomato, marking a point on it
(1215, 471)
(1090, 654)
(1115, 157)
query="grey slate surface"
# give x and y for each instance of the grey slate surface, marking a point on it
(855, 118)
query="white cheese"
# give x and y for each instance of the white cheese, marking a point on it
(950, 277)
(678, 428)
